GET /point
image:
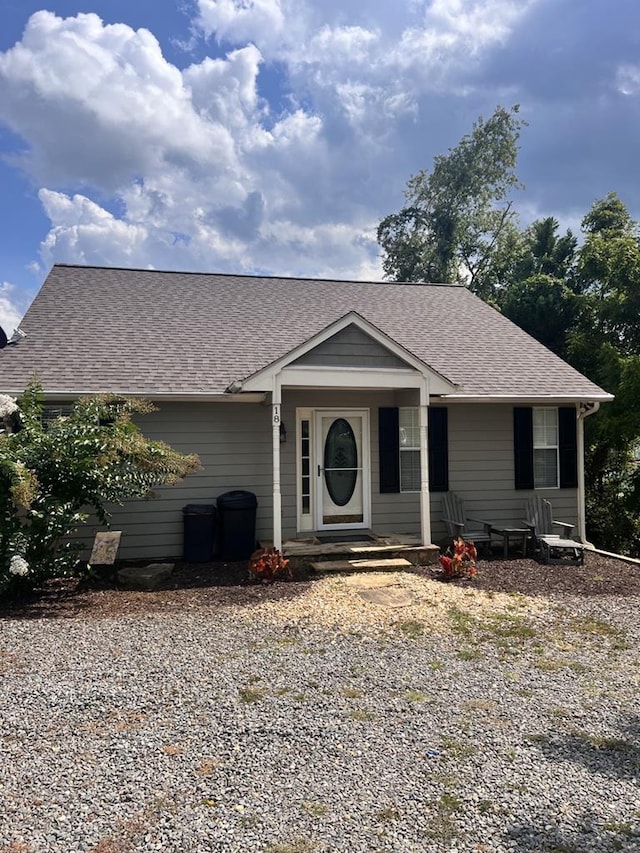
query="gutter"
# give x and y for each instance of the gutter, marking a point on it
(156, 396)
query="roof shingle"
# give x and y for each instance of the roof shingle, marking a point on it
(96, 329)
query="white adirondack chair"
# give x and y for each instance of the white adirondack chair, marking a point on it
(553, 547)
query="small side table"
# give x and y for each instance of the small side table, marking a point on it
(509, 533)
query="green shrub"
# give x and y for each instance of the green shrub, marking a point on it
(53, 474)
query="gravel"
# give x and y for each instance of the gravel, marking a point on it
(300, 718)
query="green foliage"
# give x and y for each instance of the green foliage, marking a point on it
(544, 307)
(604, 344)
(457, 215)
(545, 253)
(53, 474)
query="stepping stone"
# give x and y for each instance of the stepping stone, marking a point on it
(389, 596)
(390, 564)
(144, 577)
(371, 581)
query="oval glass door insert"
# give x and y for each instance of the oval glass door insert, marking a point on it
(340, 462)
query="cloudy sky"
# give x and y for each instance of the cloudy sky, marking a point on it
(271, 136)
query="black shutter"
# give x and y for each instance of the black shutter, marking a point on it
(568, 447)
(523, 446)
(389, 449)
(438, 450)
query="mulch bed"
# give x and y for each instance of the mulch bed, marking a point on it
(218, 584)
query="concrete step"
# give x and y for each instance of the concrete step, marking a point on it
(391, 564)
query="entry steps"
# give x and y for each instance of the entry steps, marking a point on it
(390, 564)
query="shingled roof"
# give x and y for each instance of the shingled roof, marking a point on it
(97, 329)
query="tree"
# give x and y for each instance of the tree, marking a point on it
(544, 307)
(52, 474)
(545, 253)
(457, 215)
(605, 346)
(537, 291)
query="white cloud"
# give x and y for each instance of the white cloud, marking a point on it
(100, 105)
(83, 232)
(12, 307)
(240, 21)
(143, 163)
(628, 79)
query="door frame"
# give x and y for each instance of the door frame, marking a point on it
(316, 467)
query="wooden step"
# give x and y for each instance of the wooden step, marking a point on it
(391, 564)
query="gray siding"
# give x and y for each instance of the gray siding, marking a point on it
(481, 470)
(351, 347)
(234, 445)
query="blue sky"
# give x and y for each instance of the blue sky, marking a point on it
(271, 136)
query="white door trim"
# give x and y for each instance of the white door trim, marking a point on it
(318, 413)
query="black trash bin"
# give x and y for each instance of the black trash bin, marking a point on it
(199, 533)
(237, 520)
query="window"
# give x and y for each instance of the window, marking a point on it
(399, 449)
(545, 448)
(409, 427)
(305, 466)
(50, 413)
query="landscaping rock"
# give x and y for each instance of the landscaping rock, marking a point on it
(144, 577)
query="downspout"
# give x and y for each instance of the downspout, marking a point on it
(583, 412)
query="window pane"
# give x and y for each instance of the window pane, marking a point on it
(409, 428)
(545, 468)
(409, 470)
(545, 427)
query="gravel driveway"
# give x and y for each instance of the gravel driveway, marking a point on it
(302, 718)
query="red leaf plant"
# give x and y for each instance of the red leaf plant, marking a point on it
(267, 565)
(460, 560)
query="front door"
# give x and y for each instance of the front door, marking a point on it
(342, 468)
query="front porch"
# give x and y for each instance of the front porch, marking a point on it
(357, 551)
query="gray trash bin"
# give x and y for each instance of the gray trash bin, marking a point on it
(199, 539)
(237, 522)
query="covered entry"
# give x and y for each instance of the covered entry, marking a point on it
(332, 484)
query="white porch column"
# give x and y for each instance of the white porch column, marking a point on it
(582, 531)
(583, 410)
(425, 508)
(276, 420)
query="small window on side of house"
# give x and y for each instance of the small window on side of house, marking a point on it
(409, 424)
(545, 448)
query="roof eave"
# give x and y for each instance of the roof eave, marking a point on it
(530, 399)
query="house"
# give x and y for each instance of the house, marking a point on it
(343, 405)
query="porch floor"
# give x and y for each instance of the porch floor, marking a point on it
(307, 548)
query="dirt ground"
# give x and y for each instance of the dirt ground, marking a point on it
(216, 584)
